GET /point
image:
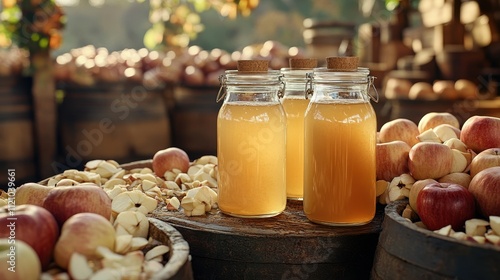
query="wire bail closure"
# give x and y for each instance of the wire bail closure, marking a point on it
(222, 90)
(223, 87)
(309, 87)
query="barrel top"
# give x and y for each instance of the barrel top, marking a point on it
(292, 222)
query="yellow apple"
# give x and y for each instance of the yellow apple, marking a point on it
(32, 193)
(433, 119)
(458, 178)
(399, 129)
(83, 233)
(429, 160)
(18, 261)
(485, 159)
(392, 159)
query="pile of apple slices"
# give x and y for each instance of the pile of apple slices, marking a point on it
(106, 254)
(142, 191)
(449, 174)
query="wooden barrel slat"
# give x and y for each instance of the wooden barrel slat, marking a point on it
(414, 252)
(286, 246)
(194, 120)
(119, 121)
(178, 266)
(17, 139)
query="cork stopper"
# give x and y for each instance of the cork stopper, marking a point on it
(303, 63)
(342, 63)
(253, 65)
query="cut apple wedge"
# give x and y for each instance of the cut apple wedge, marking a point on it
(457, 144)
(381, 185)
(445, 231)
(138, 243)
(493, 239)
(429, 136)
(78, 267)
(446, 132)
(476, 227)
(133, 223)
(123, 243)
(134, 200)
(459, 162)
(156, 251)
(495, 224)
(459, 235)
(173, 204)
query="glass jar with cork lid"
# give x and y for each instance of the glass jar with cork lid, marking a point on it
(251, 135)
(295, 104)
(340, 130)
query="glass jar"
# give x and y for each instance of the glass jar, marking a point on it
(295, 104)
(340, 138)
(251, 135)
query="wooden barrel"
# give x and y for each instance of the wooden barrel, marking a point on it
(415, 109)
(194, 120)
(17, 140)
(405, 251)
(119, 121)
(178, 266)
(287, 246)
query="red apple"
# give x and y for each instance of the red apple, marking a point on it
(83, 233)
(33, 225)
(485, 159)
(485, 187)
(168, 159)
(18, 261)
(433, 119)
(442, 204)
(430, 160)
(64, 202)
(399, 129)
(392, 159)
(481, 132)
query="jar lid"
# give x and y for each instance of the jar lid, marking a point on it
(253, 65)
(303, 63)
(342, 63)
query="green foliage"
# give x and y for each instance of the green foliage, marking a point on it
(31, 24)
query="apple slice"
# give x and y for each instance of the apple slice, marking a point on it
(156, 251)
(106, 274)
(134, 200)
(123, 243)
(457, 144)
(493, 239)
(476, 227)
(395, 192)
(495, 224)
(445, 231)
(78, 267)
(459, 162)
(67, 182)
(133, 223)
(446, 131)
(381, 185)
(152, 267)
(429, 136)
(459, 235)
(478, 239)
(138, 243)
(173, 204)
(206, 159)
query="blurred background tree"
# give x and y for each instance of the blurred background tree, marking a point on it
(119, 24)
